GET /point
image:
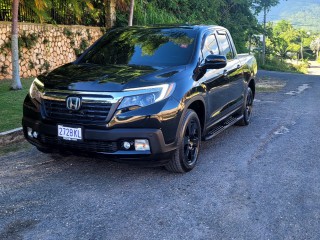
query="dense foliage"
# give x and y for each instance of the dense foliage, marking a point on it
(284, 39)
(288, 48)
(236, 15)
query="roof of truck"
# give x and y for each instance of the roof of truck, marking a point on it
(182, 26)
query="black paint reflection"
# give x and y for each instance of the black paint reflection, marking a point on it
(143, 47)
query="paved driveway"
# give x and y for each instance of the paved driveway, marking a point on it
(255, 182)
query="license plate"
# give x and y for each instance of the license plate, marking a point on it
(70, 133)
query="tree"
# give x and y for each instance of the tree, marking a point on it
(237, 15)
(16, 82)
(303, 36)
(131, 13)
(40, 7)
(265, 6)
(315, 46)
(284, 39)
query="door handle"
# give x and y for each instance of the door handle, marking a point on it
(225, 73)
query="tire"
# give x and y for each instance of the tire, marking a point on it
(186, 155)
(247, 109)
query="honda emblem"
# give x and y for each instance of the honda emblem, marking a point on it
(73, 103)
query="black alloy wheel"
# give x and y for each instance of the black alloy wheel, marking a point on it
(189, 141)
(249, 104)
(247, 108)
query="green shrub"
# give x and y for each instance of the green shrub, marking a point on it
(302, 67)
(275, 64)
(103, 30)
(28, 41)
(89, 35)
(83, 44)
(67, 32)
(72, 43)
(46, 65)
(45, 41)
(3, 69)
(77, 51)
(31, 65)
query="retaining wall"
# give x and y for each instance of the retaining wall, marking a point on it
(43, 46)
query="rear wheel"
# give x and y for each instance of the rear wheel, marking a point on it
(247, 108)
(185, 157)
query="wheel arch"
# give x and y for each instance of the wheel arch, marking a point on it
(197, 104)
(252, 85)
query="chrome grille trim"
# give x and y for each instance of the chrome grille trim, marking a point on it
(112, 97)
(89, 112)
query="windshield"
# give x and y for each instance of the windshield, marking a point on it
(146, 47)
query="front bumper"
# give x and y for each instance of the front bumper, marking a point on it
(106, 142)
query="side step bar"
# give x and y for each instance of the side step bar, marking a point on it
(228, 122)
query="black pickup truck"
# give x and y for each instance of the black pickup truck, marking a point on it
(143, 95)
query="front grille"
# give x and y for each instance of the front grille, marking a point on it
(86, 145)
(89, 112)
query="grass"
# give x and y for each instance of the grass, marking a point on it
(14, 147)
(11, 104)
(274, 64)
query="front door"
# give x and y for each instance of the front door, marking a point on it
(216, 82)
(234, 72)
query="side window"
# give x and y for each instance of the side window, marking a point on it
(225, 47)
(210, 46)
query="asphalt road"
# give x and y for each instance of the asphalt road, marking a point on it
(255, 182)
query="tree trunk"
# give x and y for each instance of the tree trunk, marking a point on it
(131, 13)
(318, 43)
(16, 83)
(264, 35)
(110, 13)
(250, 39)
(301, 47)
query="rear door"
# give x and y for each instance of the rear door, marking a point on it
(233, 70)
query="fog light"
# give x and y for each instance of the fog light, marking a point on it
(141, 145)
(35, 134)
(29, 130)
(126, 145)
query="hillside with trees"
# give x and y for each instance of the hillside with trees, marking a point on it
(302, 14)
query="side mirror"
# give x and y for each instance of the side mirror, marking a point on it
(215, 62)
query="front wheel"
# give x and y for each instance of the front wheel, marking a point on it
(185, 157)
(247, 108)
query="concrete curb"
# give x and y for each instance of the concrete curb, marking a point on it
(10, 131)
(11, 136)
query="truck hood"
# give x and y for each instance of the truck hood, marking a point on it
(110, 78)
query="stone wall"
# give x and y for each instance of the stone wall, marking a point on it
(43, 46)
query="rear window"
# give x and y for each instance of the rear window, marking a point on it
(147, 47)
(225, 46)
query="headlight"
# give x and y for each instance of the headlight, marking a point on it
(148, 96)
(36, 88)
